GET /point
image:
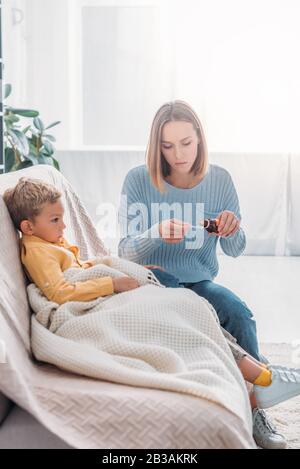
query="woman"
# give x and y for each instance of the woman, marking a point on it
(178, 173)
(157, 230)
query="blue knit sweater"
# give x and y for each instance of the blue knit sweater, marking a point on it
(194, 258)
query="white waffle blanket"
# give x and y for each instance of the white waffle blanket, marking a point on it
(152, 336)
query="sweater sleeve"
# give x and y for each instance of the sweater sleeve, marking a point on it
(136, 238)
(232, 245)
(44, 270)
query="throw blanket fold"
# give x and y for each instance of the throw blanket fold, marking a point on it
(152, 336)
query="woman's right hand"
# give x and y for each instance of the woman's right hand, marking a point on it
(173, 231)
(122, 284)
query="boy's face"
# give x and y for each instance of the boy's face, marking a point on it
(48, 225)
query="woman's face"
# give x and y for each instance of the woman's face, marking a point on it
(179, 145)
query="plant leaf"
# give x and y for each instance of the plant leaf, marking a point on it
(48, 148)
(31, 157)
(25, 112)
(38, 123)
(49, 137)
(53, 124)
(24, 164)
(35, 132)
(55, 163)
(33, 149)
(7, 90)
(43, 159)
(19, 140)
(26, 129)
(9, 159)
(11, 119)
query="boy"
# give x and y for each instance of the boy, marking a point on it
(37, 211)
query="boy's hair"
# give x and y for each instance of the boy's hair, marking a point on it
(25, 201)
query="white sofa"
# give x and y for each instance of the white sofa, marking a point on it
(128, 417)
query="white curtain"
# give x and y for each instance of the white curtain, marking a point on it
(35, 51)
(103, 67)
(14, 48)
(237, 63)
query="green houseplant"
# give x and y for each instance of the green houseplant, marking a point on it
(28, 146)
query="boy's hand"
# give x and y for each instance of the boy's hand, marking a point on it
(122, 284)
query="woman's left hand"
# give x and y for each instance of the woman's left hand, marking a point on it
(228, 224)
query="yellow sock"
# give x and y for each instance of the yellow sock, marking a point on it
(264, 378)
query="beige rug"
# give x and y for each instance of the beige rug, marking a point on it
(286, 416)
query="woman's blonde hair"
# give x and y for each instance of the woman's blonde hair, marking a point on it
(157, 165)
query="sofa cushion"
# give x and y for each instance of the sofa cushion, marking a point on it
(14, 306)
(13, 296)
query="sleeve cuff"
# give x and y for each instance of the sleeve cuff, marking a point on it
(235, 235)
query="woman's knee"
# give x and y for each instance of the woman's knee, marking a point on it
(227, 304)
(232, 309)
(230, 302)
(240, 312)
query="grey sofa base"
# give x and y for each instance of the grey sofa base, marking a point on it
(20, 430)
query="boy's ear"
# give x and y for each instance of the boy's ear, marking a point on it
(26, 227)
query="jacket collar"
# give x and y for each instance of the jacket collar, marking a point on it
(28, 239)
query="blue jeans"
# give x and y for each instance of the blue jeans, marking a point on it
(168, 280)
(233, 313)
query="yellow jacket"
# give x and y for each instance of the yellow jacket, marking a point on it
(45, 263)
